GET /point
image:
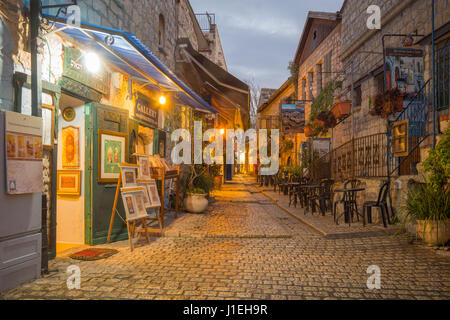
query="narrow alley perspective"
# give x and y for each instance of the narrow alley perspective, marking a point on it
(247, 247)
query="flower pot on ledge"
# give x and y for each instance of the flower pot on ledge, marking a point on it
(341, 109)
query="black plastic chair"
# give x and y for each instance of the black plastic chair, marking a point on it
(347, 199)
(381, 203)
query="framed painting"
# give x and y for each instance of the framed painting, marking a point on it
(144, 168)
(147, 201)
(69, 182)
(48, 126)
(134, 203)
(70, 147)
(153, 194)
(401, 138)
(112, 150)
(128, 176)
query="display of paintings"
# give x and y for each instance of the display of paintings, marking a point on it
(153, 193)
(133, 202)
(70, 147)
(112, 152)
(69, 182)
(128, 175)
(144, 168)
(48, 121)
(23, 147)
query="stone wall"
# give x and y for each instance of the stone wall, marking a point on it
(215, 53)
(398, 17)
(332, 43)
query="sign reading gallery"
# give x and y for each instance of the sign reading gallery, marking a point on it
(143, 111)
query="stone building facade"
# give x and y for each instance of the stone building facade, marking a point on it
(317, 56)
(397, 17)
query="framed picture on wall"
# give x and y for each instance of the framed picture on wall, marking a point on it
(48, 126)
(69, 182)
(70, 147)
(112, 150)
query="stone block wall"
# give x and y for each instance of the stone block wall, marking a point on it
(398, 17)
(331, 43)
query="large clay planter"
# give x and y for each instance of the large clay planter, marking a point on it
(195, 203)
(341, 109)
(431, 234)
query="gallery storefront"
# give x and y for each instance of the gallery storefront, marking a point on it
(115, 98)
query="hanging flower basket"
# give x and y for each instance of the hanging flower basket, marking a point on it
(388, 103)
(341, 109)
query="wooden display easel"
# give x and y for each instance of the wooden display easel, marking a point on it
(159, 174)
(130, 228)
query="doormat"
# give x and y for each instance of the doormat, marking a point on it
(93, 254)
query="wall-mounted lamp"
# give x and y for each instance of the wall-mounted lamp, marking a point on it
(162, 100)
(92, 62)
(222, 131)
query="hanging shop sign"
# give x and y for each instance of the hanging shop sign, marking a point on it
(23, 153)
(293, 118)
(404, 69)
(75, 69)
(400, 138)
(144, 111)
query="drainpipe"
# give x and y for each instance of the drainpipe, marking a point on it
(36, 85)
(433, 49)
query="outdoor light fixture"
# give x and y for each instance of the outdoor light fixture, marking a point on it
(162, 100)
(222, 131)
(92, 62)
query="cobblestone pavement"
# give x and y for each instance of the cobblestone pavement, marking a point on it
(305, 265)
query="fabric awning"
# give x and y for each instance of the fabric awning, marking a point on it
(131, 55)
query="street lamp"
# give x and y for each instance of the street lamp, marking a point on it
(162, 100)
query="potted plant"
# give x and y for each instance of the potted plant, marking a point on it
(327, 118)
(199, 184)
(215, 172)
(429, 203)
(388, 103)
(341, 109)
(308, 130)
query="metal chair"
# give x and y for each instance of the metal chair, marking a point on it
(347, 199)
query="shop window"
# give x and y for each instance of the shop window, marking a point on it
(161, 32)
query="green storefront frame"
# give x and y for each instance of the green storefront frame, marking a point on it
(99, 197)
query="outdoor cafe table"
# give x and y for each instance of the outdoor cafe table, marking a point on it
(310, 190)
(348, 207)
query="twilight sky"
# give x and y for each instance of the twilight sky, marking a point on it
(259, 37)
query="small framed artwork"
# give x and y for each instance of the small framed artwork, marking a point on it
(133, 202)
(112, 150)
(147, 202)
(144, 168)
(69, 182)
(48, 126)
(70, 147)
(153, 193)
(129, 176)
